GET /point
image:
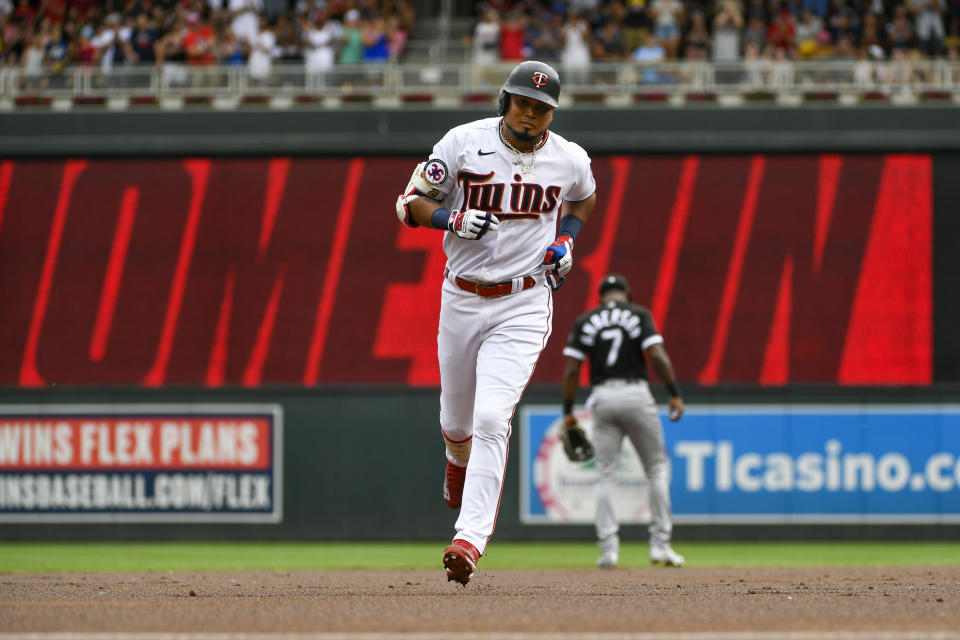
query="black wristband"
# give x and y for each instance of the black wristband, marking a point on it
(567, 406)
(673, 390)
(570, 226)
(440, 219)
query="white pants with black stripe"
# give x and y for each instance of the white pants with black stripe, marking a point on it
(629, 409)
(487, 348)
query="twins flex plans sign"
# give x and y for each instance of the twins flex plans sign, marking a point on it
(140, 463)
(789, 463)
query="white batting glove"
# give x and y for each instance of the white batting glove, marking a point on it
(560, 255)
(472, 223)
(559, 258)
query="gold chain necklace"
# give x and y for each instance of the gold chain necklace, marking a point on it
(526, 168)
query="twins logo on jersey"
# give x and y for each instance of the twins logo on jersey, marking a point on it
(527, 199)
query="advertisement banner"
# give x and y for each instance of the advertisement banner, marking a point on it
(141, 463)
(846, 463)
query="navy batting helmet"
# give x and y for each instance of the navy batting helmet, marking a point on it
(614, 281)
(532, 79)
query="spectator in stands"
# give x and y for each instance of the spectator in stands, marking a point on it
(199, 42)
(57, 53)
(900, 30)
(320, 38)
(376, 43)
(82, 10)
(845, 48)
(727, 24)
(397, 35)
(143, 39)
(928, 21)
(289, 40)
(230, 51)
(782, 32)
(608, 44)
(636, 24)
(86, 55)
(953, 22)
(262, 53)
(575, 56)
(170, 53)
(650, 52)
(843, 21)
(755, 35)
(32, 62)
(697, 39)
(543, 38)
(817, 7)
(667, 18)
(484, 40)
(273, 10)
(873, 35)
(808, 34)
(351, 39)
(106, 42)
(25, 13)
(243, 19)
(511, 37)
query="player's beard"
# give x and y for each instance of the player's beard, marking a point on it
(523, 136)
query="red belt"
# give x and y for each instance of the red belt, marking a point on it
(489, 290)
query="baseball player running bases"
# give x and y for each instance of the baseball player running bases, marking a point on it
(619, 338)
(496, 188)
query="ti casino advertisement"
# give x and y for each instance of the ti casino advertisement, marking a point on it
(847, 463)
(141, 463)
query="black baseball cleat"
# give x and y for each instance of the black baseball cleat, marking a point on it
(460, 560)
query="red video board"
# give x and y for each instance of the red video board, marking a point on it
(769, 269)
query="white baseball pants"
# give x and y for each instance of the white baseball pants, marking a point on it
(488, 348)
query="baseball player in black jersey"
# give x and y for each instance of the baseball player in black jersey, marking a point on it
(619, 338)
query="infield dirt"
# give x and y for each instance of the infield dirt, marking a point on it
(916, 598)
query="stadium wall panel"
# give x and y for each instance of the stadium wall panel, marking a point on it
(367, 464)
(768, 269)
(372, 130)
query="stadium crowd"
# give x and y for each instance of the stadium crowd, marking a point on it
(46, 35)
(575, 32)
(42, 36)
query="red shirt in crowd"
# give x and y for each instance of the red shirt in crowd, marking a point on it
(198, 43)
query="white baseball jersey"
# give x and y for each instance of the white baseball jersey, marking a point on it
(482, 172)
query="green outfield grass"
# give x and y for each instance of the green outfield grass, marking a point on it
(28, 557)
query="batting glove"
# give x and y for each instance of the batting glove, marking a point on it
(472, 224)
(560, 256)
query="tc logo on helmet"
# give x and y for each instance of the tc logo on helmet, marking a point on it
(539, 78)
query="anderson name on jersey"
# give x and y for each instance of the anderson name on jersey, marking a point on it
(614, 337)
(482, 174)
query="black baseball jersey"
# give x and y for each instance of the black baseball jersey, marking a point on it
(613, 336)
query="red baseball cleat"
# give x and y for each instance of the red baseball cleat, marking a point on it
(453, 485)
(460, 560)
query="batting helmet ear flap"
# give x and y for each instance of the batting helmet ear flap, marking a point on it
(503, 103)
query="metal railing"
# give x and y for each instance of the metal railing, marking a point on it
(458, 81)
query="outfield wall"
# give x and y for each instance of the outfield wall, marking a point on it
(213, 340)
(367, 464)
(758, 269)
